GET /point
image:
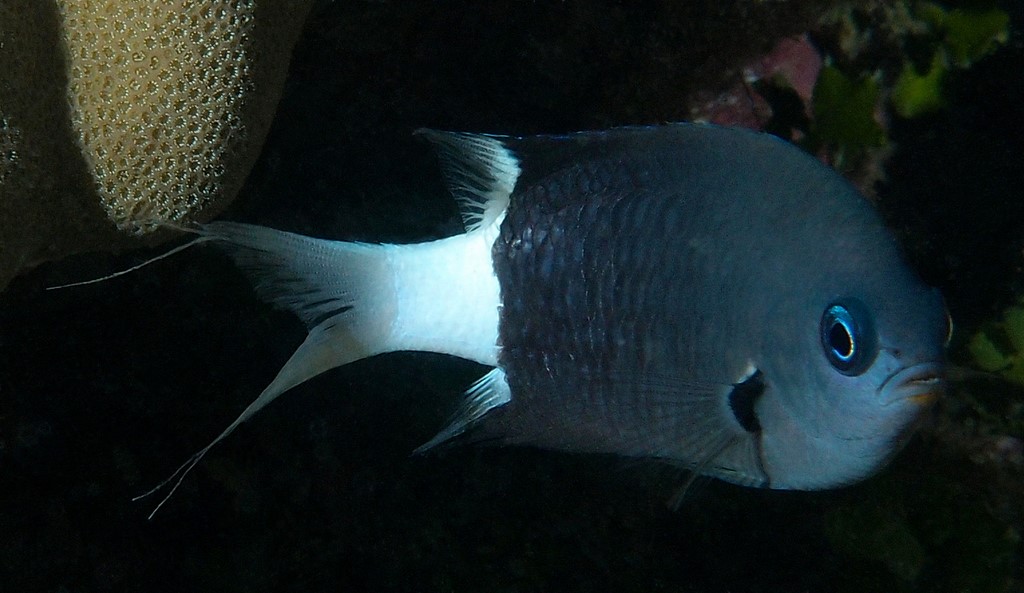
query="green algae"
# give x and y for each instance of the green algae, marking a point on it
(844, 109)
(998, 347)
(845, 116)
(916, 94)
(958, 37)
(969, 33)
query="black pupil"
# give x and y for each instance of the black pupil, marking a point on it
(840, 341)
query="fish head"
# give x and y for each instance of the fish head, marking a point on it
(844, 391)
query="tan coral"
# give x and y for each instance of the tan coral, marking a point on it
(129, 112)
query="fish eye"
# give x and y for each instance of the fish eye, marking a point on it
(847, 337)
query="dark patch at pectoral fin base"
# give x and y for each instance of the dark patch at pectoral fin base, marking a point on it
(692, 428)
(480, 171)
(489, 392)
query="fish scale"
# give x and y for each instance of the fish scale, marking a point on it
(607, 311)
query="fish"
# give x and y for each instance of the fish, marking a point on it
(710, 297)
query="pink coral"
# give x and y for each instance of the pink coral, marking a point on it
(794, 62)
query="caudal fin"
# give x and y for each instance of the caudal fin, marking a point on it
(344, 292)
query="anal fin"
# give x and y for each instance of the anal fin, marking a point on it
(489, 392)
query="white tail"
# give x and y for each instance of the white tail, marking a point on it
(359, 300)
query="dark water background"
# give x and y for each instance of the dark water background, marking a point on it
(106, 389)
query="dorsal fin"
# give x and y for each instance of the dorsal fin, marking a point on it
(480, 171)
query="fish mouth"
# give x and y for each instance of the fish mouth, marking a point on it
(920, 385)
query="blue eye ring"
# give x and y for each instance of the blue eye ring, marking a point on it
(848, 337)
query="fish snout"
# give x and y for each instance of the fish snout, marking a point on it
(920, 385)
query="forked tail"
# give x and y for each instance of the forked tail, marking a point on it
(344, 292)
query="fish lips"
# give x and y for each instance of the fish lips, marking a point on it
(919, 385)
